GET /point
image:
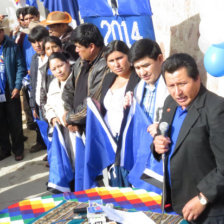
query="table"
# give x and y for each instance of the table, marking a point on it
(128, 198)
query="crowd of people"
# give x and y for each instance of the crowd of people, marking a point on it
(58, 68)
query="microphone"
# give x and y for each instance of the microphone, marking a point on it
(163, 127)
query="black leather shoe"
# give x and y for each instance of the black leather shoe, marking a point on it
(37, 147)
(19, 158)
(45, 158)
(32, 126)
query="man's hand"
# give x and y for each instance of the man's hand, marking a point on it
(193, 209)
(161, 144)
(152, 129)
(54, 120)
(15, 93)
(16, 30)
(35, 115)
(73, 128)
(128, 99)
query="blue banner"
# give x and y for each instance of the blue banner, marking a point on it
(97, 8)
(129, 28)
(134, 7)
(114, 7)
(69, 6)
(125, 20)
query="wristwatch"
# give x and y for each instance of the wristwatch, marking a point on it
(203, 200)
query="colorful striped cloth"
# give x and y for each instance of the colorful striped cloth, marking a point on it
(127, 198)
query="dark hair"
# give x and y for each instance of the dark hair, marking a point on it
(20, 11)
(59, 55)
(144, 48)
(24, 10)
(38, 33)
(87, 33)
(116, 45)
(32, 11)
(181, 60)
(52, 39)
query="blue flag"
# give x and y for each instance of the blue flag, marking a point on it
(79, 163)
(32, 3)
(100, 146)
(43, 126)
(136, 154)
(61, 173)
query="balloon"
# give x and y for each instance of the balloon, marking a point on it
(212, 30)
(214, 60)
(203, 44)
(211, 27)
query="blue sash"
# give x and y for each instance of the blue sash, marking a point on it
(2, 77)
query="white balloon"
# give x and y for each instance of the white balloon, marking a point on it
(205, 7)
(214, 33)
(211, 27)
(203, 44)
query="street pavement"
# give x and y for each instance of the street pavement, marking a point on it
(24, 179)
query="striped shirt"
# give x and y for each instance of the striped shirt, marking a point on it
(149, 100)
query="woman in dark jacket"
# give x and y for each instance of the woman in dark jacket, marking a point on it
(120, 80)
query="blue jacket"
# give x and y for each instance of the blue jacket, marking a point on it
(14, 64)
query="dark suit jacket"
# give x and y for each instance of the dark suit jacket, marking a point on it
(197, 163)
(33, 80)
(109, 80)
(45, 82)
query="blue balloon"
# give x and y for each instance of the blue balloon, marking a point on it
(214, 60)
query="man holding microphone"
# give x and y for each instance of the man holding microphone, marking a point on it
(194, 146)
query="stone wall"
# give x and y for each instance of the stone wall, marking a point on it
(176, 25)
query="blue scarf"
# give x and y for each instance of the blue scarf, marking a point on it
(2, 76)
